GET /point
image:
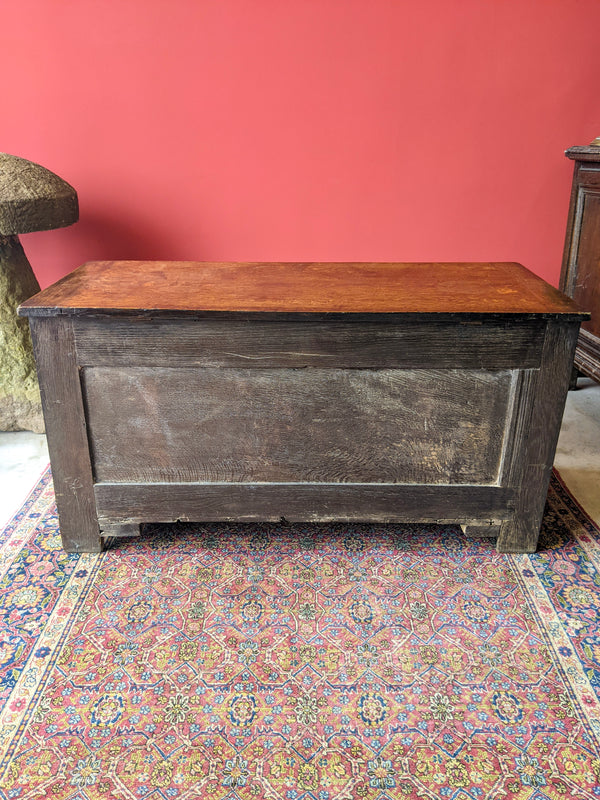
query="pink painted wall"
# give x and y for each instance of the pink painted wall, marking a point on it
(303, 129)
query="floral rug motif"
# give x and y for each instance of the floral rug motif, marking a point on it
(301, 662)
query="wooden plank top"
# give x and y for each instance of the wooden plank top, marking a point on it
(208, 288)
(589, 152)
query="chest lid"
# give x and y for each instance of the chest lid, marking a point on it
(299, 288)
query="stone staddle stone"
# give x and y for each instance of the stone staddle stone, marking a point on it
(31, 199)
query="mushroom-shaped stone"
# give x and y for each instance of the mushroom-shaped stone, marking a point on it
(31, 199)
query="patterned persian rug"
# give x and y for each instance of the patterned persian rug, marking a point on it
(287, 663)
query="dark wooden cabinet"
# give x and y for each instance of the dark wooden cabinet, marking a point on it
(580, 276)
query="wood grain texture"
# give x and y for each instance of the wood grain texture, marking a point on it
(491, 531)
(328, 425)
(66, 432)
(170, 502)
(583, 278)
(120, 531)
(587, 356)
(584, 152)
(209, 287)
(519, 421)
(351, 345)
(543, 400)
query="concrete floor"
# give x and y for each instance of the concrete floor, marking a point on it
(24, 455)
(23, 458)
(578, 450)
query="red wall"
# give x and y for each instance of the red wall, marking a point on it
(303, 129)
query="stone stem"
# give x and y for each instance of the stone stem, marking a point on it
(20, 406)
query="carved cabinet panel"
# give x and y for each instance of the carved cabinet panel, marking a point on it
(580, 276)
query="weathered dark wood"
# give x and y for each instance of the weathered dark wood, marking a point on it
(301, 502)
(587, 355)
(120, 531)
(543, 406)
(350, 345)
(575, 374)
(311, 288)
(518, 422)
(66, 431)
(313, 392)
(331, 425)
(580, 275)
(491, 530)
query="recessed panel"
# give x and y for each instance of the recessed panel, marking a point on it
(586, 291)
(306, 425)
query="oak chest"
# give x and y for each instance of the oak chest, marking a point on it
(305, 391)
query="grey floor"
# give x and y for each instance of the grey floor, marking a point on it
(578, 451)
(24, 455)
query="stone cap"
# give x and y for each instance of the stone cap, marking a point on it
(32, 198)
